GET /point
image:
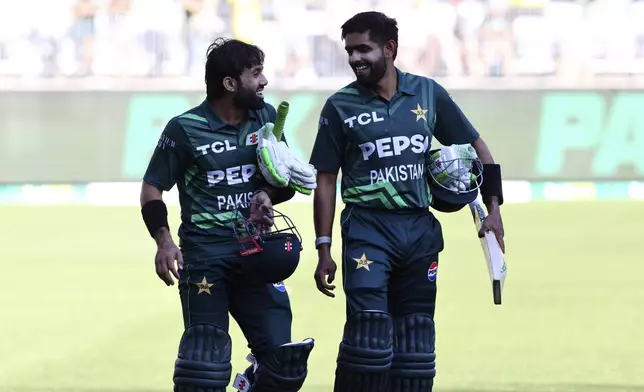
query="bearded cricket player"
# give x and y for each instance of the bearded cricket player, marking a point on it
(378, 131)
(226, 262)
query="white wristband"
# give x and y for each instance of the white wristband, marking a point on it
(322, 240)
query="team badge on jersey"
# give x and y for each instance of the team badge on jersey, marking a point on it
(420, 113)
(432, 271)
(280, 286)
(252, 138)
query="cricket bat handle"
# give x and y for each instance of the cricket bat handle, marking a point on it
(494, 257)
(280, 119)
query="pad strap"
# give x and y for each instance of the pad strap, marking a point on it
(492, 183)
(155, 215)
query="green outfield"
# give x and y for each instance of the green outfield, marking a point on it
(83, 310)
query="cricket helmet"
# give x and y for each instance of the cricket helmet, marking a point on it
(455, 176)
(271, 254)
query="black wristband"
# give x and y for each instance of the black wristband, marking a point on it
(155, 215)
(492, 184)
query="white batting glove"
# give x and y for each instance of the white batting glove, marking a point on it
(280, 167)
(273, 167)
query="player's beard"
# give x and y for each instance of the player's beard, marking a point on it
(247, 98)
(375, 72)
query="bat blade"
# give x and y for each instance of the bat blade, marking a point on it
(282, 112)
(494, 257)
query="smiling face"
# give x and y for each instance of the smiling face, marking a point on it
(367, 58)
(249, 93)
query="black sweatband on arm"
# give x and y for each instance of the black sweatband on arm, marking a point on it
(155, 215)
(492, 183)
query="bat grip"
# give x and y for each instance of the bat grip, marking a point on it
(280, 119)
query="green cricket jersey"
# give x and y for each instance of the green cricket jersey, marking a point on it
(381, 146)
(214, 166)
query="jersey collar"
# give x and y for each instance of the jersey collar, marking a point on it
(217, 124)
(404, 87)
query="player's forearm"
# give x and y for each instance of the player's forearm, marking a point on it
(492, 204)
(324, 207)
(162, 236)
(150, 193)
(483, 151)
(484, 154)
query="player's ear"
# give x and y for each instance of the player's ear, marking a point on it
(230, 84)
(389, 49)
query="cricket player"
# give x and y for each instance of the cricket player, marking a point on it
(209, 152)
(378, 131)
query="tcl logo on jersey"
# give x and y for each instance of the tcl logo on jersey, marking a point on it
(232, 176)
(216, 147)
(364, 119)
(391, 146)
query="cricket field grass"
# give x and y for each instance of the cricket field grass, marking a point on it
(83, 310)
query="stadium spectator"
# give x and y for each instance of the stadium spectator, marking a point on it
(568, 39)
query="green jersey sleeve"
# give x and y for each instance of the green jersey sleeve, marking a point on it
(170, 157)
(452, 127)
(328, 149)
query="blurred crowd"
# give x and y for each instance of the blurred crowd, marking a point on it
(169, 38)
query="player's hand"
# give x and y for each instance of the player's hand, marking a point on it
(325, 274)
(493, 223)
(167, 253)
(261, 210)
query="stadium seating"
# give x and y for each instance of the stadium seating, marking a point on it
(451, 38)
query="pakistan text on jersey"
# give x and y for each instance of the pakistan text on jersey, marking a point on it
(397, 173)
(231, 202)
(394, 146)
(232, 175)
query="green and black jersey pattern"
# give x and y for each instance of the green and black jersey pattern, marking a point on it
(214, 166)
(380, 146)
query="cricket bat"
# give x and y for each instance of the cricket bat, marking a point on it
(492, 251)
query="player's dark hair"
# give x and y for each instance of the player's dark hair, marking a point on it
(228, 58)
(381, 28)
